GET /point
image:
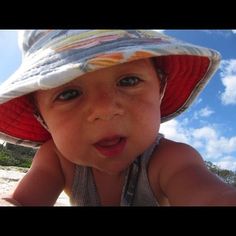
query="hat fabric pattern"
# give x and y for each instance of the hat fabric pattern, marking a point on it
(52, 58)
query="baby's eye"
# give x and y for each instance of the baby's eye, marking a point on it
(68, 95)
(129, 81)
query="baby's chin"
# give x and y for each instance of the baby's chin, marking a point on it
(118, 166)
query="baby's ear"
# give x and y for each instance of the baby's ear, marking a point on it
(40, 119)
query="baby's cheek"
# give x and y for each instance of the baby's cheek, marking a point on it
(150, 111)
(154, 125)
(69, 152)
(148, 120)
(153, 120)
(63, 141)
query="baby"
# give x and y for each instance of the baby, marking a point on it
(93, 102)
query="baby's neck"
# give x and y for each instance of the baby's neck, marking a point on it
(109, 186)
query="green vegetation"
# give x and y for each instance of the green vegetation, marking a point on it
(228, 176)
(15, 155)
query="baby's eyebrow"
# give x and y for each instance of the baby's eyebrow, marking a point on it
(71, 83)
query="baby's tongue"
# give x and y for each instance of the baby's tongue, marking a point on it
(110, 142)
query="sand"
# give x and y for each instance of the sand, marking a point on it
(9, 176)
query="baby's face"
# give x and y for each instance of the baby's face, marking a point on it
(106, 118)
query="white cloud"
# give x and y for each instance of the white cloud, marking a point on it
(207, 140)
(228, 67)
(229, 95)
(214, 145)
(175, 131)
(234, 31)
(204, 133)
(228, 78)
(160, 31)
(204, 112)
(228, 145)
(228, 162)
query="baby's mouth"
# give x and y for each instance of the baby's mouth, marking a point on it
(111, 146)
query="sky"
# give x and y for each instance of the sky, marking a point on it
(209, 124)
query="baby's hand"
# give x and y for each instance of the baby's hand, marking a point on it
(6, 201)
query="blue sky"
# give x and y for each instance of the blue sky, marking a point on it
(209, 124)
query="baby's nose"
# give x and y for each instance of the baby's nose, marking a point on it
(104, 107)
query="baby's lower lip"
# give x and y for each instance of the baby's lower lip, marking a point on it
(111, 147)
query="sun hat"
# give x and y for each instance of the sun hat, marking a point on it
(54, 57)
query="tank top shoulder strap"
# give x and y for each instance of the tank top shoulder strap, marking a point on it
(84, 192)
(148, 153)
(137, 189)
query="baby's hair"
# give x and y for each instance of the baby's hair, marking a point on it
(160, 74)
(36, 112)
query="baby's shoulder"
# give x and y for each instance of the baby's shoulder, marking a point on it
(46, 154)
(170, 156)
(169, 150)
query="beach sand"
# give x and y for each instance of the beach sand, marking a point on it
(9, 176)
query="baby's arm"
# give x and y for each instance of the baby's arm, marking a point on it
(43, 182)
(185, 180)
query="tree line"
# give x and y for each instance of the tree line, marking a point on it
(228, 176)
(15, 155)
